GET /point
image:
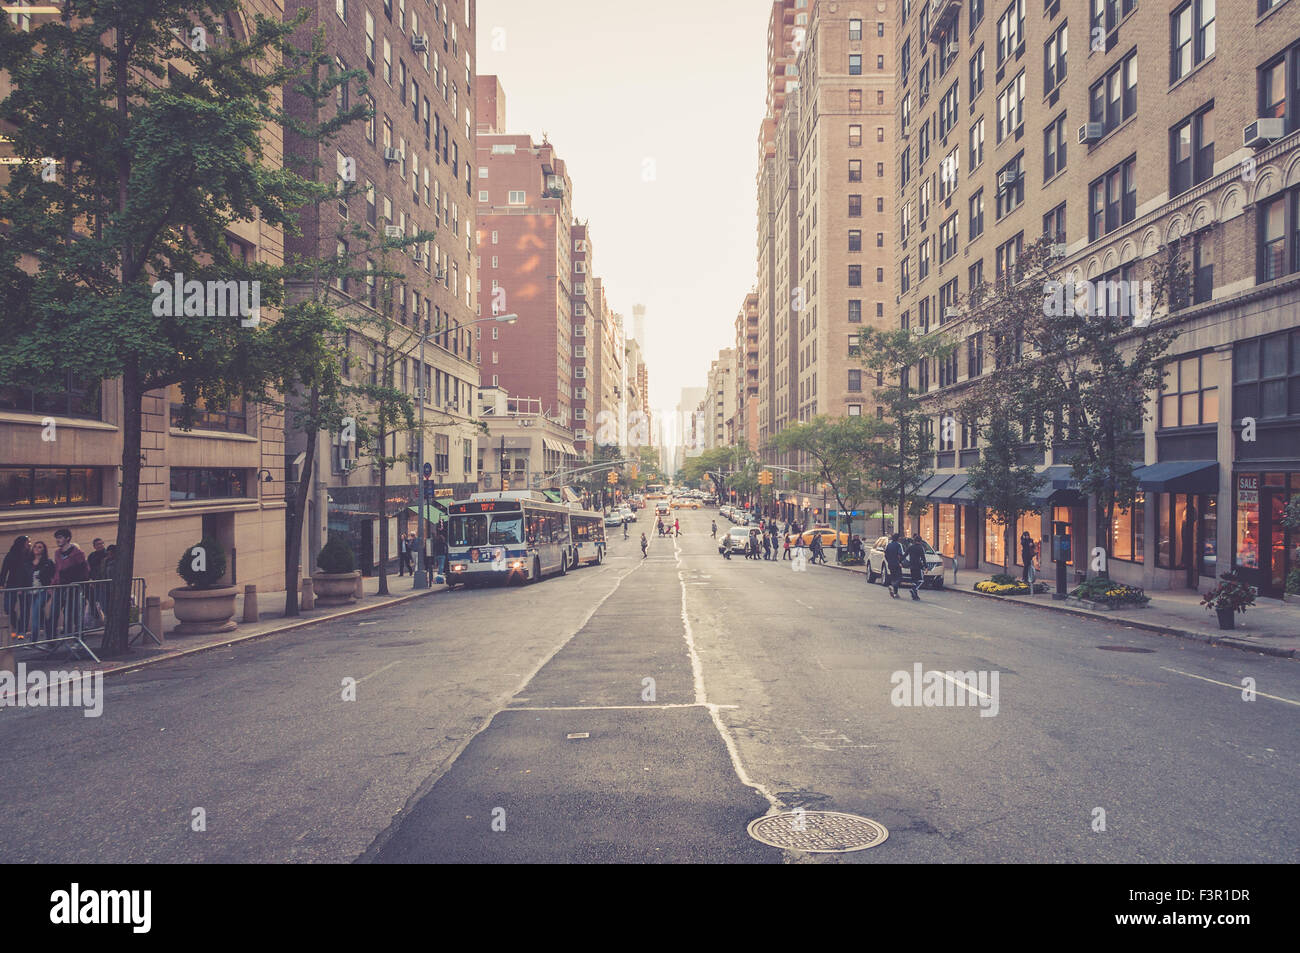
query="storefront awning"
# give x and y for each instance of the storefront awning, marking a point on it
(1057, 478)
(926, 490)
(1180, 476)
(432, 513)
(570, 449)
(954, 491)
(550, 444)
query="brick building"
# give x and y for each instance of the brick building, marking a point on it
(745, 422)
(1122, 130)
(525, 244)
(414, 161)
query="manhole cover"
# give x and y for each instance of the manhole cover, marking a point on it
(1126, 648)
(819, 832)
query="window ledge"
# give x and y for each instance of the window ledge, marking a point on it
(214, 435)
(1193, 71)
(224, 501)
(71, 423)
(1268, 13)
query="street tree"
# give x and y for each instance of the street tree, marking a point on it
(897, 460)
(1074, 363)
(836, 447)
(140, 147)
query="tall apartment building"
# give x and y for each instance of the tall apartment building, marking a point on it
(747, 375)
(605, 349)
(414, 159)
(525, 247)
(587, 317)
(207, 481)
(825, 268)
(635, 430)
(1016, 120)
(720, 399)
(687, 431)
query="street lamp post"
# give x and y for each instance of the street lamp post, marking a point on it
(420, 579)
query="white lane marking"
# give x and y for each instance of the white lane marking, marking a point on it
(802, 603)
(1235, 688)
(966, 685)
(377, 671)
(616, 707)
(944, 608)
(698, 673)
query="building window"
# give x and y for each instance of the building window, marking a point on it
(1011, 186)
(975, 275)
(904, 276)
(855, 170)
(880, 61)
(855, 30)
(949, 169)
(923, 260)
(1113, 98)
(517, 197)
(31, 487)
(976, 215)
(855, 240)
(370, 43)
(947, 302)
(880, 134)
(1011, 29)
(68, 397)
(855, 311)
(1191, 151)
(194, 483)
(948, 110)
(975, 355)
(855, 206)
(1266, 376)
(948, 238)
(976, 13)
(1054, 147)
(1202, 267)
(1008, 253)
(926, 199)
(977, 73)
(230, 417)
(855, 135)
(1112, 199)
(855, 382)
(1011, 107)
(855, 276)
(1191, 36)
(880, 170)
(855, 100)
(976, 152)
(1054, 224)
(880, 203)
(1188, 400)
(1279, 84)
(1054, 51)
(855, 64)
(880, 239)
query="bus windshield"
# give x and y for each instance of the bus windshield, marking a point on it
(468, 531)
(506, 531)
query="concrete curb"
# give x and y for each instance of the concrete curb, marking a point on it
(1165, 630)
(297, 624)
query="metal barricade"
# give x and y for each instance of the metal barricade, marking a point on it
(45, 618)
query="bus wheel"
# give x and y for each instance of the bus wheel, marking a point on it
(537, 570)
(600, 555)
(564, 563)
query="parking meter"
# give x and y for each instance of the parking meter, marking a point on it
(1061, 552)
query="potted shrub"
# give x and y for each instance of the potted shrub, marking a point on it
(203, 604)
(1230, 596)
(1292, 594)
(336, 583)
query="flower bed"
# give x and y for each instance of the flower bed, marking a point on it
(1017, 588)
(1104, 593)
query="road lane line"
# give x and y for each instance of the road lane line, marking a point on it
(1235, 688)
(965, 685)
(616, 707)
(698, 672)
(802, 603)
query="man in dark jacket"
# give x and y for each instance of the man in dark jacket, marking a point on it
(893, 565)
(1026, 554)
(916, 562)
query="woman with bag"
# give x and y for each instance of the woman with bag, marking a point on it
(15, 575)
(42, 579)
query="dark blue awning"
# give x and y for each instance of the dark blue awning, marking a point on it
(954, 491)
(1180, 476)
(926, 490)
(1057, 478)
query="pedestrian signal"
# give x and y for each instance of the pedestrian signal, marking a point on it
(611, 477)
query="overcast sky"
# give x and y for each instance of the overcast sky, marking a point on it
(673, 88)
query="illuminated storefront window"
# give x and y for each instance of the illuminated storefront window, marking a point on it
(949, 543)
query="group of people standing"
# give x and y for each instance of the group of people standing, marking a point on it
(30, 573)
(408, 547)
(669, 529)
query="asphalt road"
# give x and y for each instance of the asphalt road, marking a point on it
(703, 693)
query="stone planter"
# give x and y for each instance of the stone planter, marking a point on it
(1291, 598)
(336, 588)
(1227, 618)
(202, 611)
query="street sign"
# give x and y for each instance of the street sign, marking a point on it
(428, 470)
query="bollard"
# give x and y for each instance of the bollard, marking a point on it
(361, 586)
(308, 599)
(153, 615)
(250, 604)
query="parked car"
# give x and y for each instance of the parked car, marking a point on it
(933, 577)
(827, 533)
(736, 540)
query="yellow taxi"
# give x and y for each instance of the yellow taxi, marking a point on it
(686, 504)
(827, 534)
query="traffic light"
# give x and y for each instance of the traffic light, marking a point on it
(505, 484)
(632, 475)
(765, 477)
(611, 477)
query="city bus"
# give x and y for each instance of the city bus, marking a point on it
(656, 491)
(511, 536)
(587, 531)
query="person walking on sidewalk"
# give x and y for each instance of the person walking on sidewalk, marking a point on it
(16, 574)
(767, 546)
(1026, 555)
(916, 561)
(645, 545)
(786, 555)
(625, 523)
(893, 565)
(677, 527)
(818, 554)
(713, 531)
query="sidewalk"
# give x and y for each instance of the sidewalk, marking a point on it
(1271, 627)
(272, 620)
